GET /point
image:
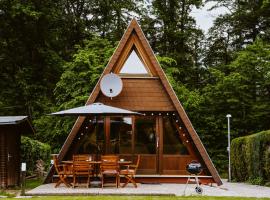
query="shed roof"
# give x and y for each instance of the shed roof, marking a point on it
(4, 120)
(21, 122)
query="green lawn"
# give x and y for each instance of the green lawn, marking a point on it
(141, 198)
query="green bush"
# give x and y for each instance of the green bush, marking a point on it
(33, 150)
(250, 157)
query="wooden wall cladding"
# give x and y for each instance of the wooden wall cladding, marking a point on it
(176, 164)
(3, 168)
(148, 164)
(140, 95)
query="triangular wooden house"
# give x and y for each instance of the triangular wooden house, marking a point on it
(164, 136)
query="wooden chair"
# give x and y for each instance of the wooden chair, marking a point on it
(82, 168)
(109, 167)
(63, 172)
(130, 172)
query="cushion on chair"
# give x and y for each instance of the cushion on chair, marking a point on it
(127, 171)
(110, 172)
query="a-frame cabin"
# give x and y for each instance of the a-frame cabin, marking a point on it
(164, 136)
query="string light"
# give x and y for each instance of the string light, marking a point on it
(152, 114)
(81, 133)
(173, 114)
(86, 127)
(90, 120)
(159, 114)
(79, 138)
(176, 120)
(180, 127)
(187, 141)
(167, 113)
(184, 135)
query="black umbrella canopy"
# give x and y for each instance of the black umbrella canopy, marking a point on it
(96, 109)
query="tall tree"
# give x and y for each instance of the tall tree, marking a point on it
(30, 63)
(179, 38)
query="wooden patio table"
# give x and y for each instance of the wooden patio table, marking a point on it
(96, 163)
(126, 162)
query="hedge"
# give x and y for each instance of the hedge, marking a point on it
(250, 157)
(33, 150)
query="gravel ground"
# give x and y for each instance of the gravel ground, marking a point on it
(227, 189)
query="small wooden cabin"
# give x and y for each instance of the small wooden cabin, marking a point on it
(11, 128)
(163, 136)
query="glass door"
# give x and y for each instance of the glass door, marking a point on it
(145, 144)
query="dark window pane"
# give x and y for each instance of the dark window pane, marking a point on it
(172, 143)
(93, 140)
(121, 135)
(145, 137)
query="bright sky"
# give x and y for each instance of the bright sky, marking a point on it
(205, 18)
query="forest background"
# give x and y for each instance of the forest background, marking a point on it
(53, 52)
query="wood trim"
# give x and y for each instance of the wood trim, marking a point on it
(133, 135)
(134, 44)
(157, 144)
(160, 149)
(107, 127)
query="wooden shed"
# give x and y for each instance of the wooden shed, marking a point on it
(11, 129)
(164, 136)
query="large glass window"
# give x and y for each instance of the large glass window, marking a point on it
(133, 65)
(121, 135)
(145, 135)
(93, 140)
(172, 143)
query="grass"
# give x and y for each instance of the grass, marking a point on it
(4, 193)
(33, 183)
(142, 198)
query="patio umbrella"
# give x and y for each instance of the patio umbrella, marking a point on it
(96, 109)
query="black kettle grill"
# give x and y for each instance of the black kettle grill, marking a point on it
(194, 167)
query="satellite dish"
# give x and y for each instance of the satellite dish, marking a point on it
(111, 85)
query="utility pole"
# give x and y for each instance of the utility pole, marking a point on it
(229, 147)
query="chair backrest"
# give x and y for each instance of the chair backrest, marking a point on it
(56, 164)
(109, 162)
(81, 163)
(137, 163)
(82, 157)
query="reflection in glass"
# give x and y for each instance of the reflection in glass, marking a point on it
(133, 65)
(172, 143)
(121, 135)
(145, 137)
(94, 140)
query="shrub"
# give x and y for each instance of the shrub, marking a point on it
(250, 157)
(33, 150)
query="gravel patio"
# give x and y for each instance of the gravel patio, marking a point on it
(227, 189)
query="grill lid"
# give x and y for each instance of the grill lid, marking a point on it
(194, 167)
